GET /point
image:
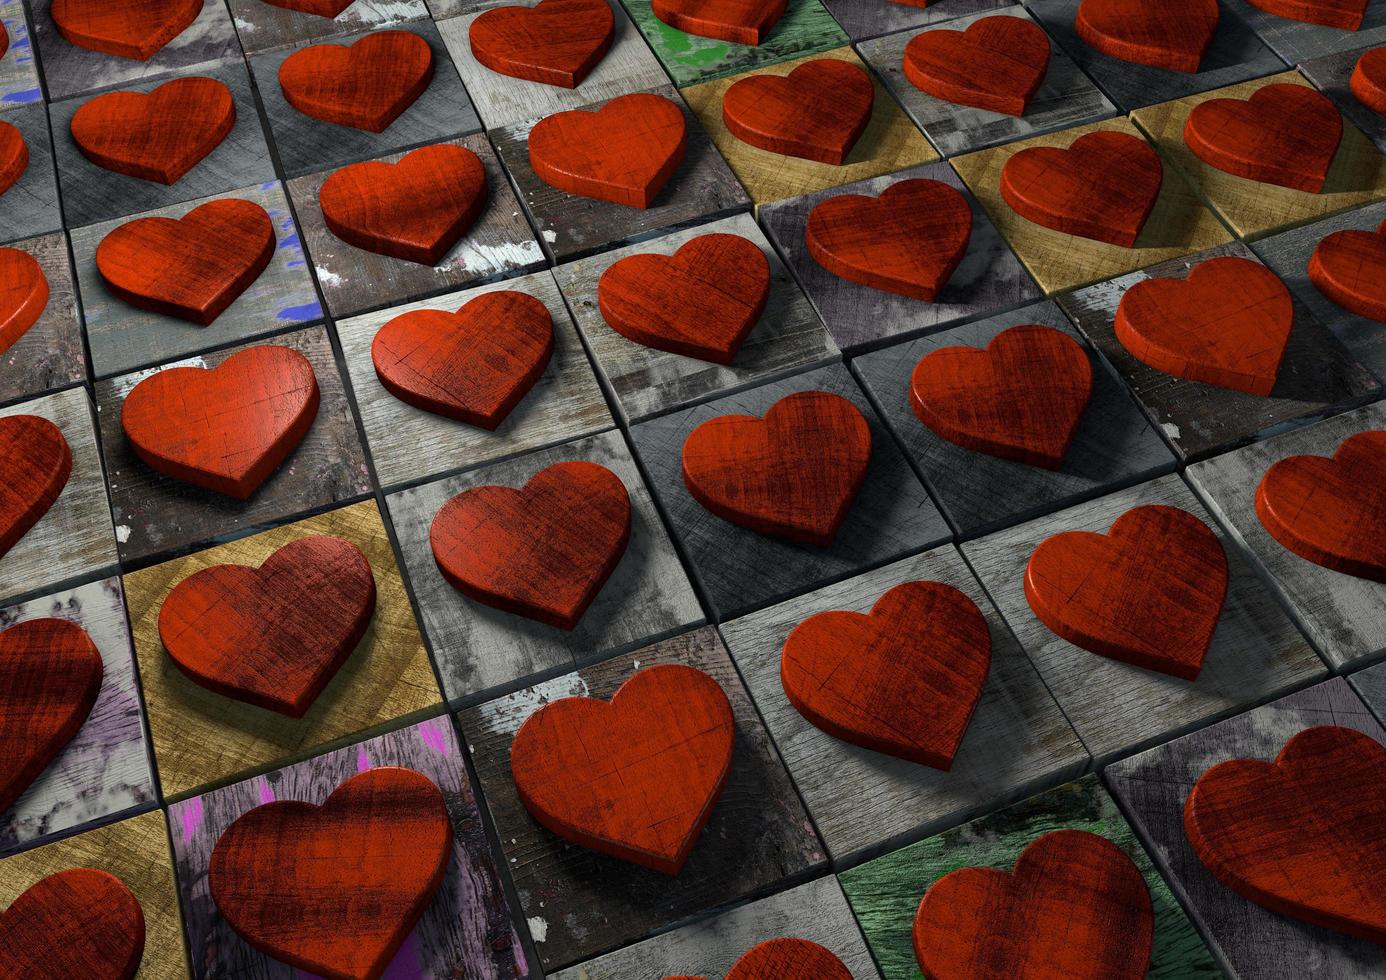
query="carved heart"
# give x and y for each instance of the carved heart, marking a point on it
(335, 889)
(1227, 324)
(157, 137)
(997, 64)
(416, 209)
(1075, 906)
(1349, 267)
(1344, 14)
(23, 295)
(903, 680)
(4, 40)
(1284, 134)
(192, 268)
(77, 923)
(793, 474)
(908, 241)
(1368, 81)
(14, 156)
(635, 778)
(789, 959)
(702, 301)
(818, 111)
(366, 86)
(1331, 511)
(35, 462)
(556, 42)
(1021, 398)
(50, 674)
(1103, 187)
(320, 8)
(134, 29)
(543, 551)
(1148, 593)
(1166, 35)
(273, 636)
(624, 152)
(738, 21)
(225, 429)
(1301, 836)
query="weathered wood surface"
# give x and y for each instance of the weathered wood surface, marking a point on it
(19, 76)
(1250, 941)
(30, 207)
(871, 18)
(1296, 41)
(1330, 75)
(467, 929)
(581, 903)
(51, 353)
(1370, 685)
(262, 27)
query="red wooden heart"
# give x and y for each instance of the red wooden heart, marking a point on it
(1331, 511)
(50, 674)
(1103, 187)
(1284, 134)
(556, 42)
(1301, 836)
(192, 268)
(23, 295)
(135, 29)
(14, 156)
(908, 241)
(738, 21)
(818, 111)
(157, 137)
(793, 474)
(367, 85)
(80, 923)
(1075, 907)
(1227, 324)
(1349, 267)
(1021, 398)
(903, 680)
(1149, 592)
(635, 778)
(544, 551)
(35, 462)
(789, 959)
(1173, 35)
(273, 636)
(998, 63)
(319, 8)
(1344, 14)
(335, 889)
(702, 301)
(225, 429)
(625, 152)
(1368, 81)
(4, 40)
(416, 209)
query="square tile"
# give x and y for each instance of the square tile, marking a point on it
(19, 77)
(1370, 685)
(1297, 41)
(1331, 75)
(863, 20)
(50, 354)
(30, 206)
(262, 27)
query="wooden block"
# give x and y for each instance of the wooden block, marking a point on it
(50, 354)
(1317, 375)
(890, 142)
(1332, 75)
(740, 569)
(19, 75)
(263, 26)
(30, 206)
(584, 903)
(1297, 41)
(885, 893)
(467, 929)
(137, 852)
(480, 650)
(1370, 685)
(1249, 941)
(872, 19)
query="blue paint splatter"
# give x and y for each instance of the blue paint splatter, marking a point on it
(24, 96)
(290, 242)
(308, 311)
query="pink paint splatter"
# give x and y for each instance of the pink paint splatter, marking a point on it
(266, 792)
(192, 818)
(363, 761)
(435, 737)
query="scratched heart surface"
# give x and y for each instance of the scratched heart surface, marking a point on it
(24, 295)
(1163, 35)
(738, 21)
(366, 85)
(35, 462)
(1284, 134)
(77, 923)
(14, 156)
(818, 111)
(998, 63)
(556, 42)
(134, 29)
(1349, 267)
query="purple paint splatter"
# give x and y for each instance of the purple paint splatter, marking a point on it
(435, 738)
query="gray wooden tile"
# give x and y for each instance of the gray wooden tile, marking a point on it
(1296, 41)
(1370, 685)
(863, 802)
(19, 76)
(30, 207)
(50, 355)
(262, 27)
(871, 18)
(1331, 75)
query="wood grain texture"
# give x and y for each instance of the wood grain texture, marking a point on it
(740, 22)
(552, 43)
(31, 205)
(466, 930)
(263, 26)
(996, 63)
(201, 738)
(740, 569)
(817, 112)
(1346, 15)
(81, 922)
(135, 29)
(585, 904)
(1285, 135)
(365, 84)
(36, 467)
(1172, 37)
(1346, 267)
(14, 156)
(19, 74)
(1352, 89)
(866, 20)
(1370, 685)
(790, 959)
(1297, 41)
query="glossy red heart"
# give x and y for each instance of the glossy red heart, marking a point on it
(1331, 511)
(907, 241)
(225, 429)
(335, 889)
(1368, 80)
(1075, 907)
(793, 474)
(193, 267)
(23, 295)
(556, 42)
(159, 136)
(1021, 398)
(50, 674)
(738, 21)
(416, 209)
(134, 29)
(14, 156)
(4, 40)
(79, 923)
(1301, 836)
(625, 152)
(1227, 324)
(1172, 35)
(35, 462)
(702, 301)
(635, 778)
(367, 85)
(818, 111)
(1149, 592)
(903, 680)
(319, 8)
(1344, 14)
(272, 636)
(1284, 134)
(1349, 267)
(997, 64)
(543, 551)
